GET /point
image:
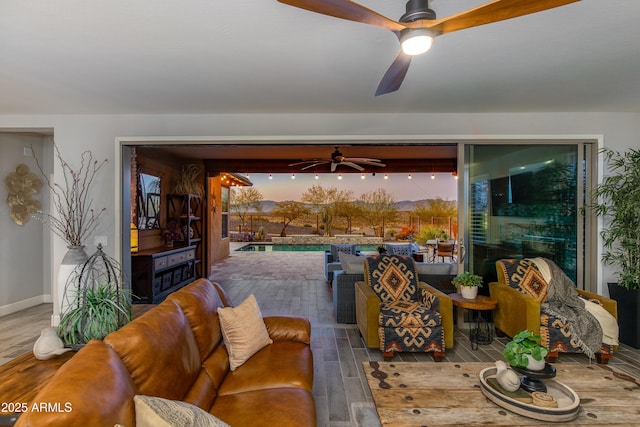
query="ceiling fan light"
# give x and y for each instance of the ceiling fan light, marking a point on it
(416, 41)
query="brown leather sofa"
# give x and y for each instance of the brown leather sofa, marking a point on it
(176, 351)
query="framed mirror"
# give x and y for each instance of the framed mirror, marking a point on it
(148, 201)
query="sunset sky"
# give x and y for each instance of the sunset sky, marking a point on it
(420, 186)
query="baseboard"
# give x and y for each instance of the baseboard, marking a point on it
(24, 304)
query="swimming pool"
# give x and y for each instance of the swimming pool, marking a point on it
(270, 247)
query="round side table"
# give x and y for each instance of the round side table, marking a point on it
(480, 333)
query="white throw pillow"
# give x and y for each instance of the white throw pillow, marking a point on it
(243, 330)
(152, 411)
(352, 264)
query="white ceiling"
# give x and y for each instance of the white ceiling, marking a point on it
(240, 56)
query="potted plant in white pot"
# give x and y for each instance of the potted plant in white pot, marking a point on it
(467, 284)
(524, 351)
(617, 200)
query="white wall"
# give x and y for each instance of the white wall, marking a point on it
(22, 269)
(98, 133)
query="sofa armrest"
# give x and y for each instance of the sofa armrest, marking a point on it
(446, 312)
(609, 304)
(367, 312)
(515, 311)
(288, 328)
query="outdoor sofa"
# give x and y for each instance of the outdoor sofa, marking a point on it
(176, 352)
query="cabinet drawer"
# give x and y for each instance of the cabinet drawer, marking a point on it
(160, 263)
(177, 259)
(190, 254)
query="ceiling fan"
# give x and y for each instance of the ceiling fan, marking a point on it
(337, 159)
(417, 28)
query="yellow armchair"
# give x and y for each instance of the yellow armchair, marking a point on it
(369, 306)
(517, 311)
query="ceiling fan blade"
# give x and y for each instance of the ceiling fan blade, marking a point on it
(376, 163)
(353, 165)
(348, 10)
(334, 165)
(394, 76)
(313, 165)
(310, 161)
(361, 159)
(494, 11)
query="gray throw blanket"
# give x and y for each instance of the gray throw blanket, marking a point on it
(564, 303)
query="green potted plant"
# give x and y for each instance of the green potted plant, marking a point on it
(99, 311)
(617, 200)
(467, 284)
(524, 351)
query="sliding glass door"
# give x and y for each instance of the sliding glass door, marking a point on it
(524, 200)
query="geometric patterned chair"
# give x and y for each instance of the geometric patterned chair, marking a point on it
(395, 312)
(520, 290)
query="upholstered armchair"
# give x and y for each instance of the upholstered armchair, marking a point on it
(520, 292)
(395, 312)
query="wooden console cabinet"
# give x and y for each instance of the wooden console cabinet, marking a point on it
(158, 272)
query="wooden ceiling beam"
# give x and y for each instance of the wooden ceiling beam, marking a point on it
(215, 166)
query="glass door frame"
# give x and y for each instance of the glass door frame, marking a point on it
(587, 271)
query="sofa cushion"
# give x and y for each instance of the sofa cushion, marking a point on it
(244, 331)
(200, 302)
(336, 249)
(392, 277)
(282, 407)
(281, 364)
(352, 264)
(160, 351)
(154, 411)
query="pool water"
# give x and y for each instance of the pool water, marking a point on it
(270, 247)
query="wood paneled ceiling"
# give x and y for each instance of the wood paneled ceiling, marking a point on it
(275, 158)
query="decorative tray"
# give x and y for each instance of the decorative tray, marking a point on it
(568, 401)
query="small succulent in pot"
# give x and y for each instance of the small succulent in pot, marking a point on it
(523, 346)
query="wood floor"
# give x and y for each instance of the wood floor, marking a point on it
(293, 283)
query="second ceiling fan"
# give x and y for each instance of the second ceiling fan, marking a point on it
(417, 28)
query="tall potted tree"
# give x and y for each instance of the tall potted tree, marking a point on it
(617, 200)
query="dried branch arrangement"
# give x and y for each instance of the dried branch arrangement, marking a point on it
(75, 218)
(188, 182)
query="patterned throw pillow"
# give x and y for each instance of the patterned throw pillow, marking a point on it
(243, 330)
(154, 411)
(524, 276)
(392, 277)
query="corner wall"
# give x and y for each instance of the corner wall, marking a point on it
(22, 248)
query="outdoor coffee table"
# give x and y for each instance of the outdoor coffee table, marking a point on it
(481, 333)
(445, 393)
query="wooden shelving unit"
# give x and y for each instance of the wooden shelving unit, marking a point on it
(187, 209)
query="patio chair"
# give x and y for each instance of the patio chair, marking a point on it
(332, 258)
(520, 291)
(395, 312)
(445, 250)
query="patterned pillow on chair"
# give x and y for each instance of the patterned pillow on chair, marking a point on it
(524, 276)
(392, 277)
